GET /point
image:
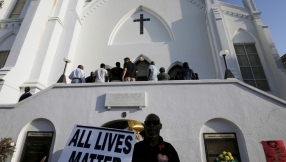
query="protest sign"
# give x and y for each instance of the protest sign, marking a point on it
(98, 144)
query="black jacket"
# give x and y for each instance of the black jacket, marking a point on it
(143, 152)
(24, 96)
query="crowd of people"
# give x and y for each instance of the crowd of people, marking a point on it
(129, 73)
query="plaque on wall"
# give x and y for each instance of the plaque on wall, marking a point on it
(37, 146)
(133, 99)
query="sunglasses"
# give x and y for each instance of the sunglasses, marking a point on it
(154, 122)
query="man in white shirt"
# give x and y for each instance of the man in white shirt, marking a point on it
(101, 74)
(78, 75)
(152, 72)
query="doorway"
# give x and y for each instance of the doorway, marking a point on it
(142, 67)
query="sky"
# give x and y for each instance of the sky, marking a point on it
(273, 15)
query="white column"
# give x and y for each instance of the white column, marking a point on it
(47, 51)
(25, 48)
(68, 43)
(216, 34)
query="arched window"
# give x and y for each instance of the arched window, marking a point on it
(6, 42)
(37, 136)
(248, 59)
(3, 58)
(17, 10)
(173, 71)
(142, 67)
(250, 66)
(218, 135)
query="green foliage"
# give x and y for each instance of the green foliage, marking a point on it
(7, 148)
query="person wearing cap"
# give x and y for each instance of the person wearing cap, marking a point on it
(101, 74)
(162, 75)
(77, 75)
(153, 148)
(129, 71)
(26, 94)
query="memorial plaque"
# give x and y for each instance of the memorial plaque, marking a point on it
(135, 99)
(37, 147)
(216, 143)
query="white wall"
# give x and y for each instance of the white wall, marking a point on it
(185, 20)
(183, 106)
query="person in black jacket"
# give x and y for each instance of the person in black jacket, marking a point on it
(116, 73)
(91, 78)
(26, 94)
(153, 148)
(186, 73)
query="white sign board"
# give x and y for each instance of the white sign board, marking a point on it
(134, 99)
(98, 144)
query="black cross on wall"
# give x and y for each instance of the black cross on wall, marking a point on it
(141, 20)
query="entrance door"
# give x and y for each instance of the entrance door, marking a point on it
(142, 67)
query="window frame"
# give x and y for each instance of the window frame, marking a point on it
(5, 59)
(27, 138)
(236, 145)
(14, 6)
(250, 65)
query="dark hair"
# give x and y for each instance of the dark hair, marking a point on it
(162, 69)
(117, 63)
(27, 89)
(79, 66)
(102, 65)
(126, 59)
(185, 65)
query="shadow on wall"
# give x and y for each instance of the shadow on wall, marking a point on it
(262, 97)
(191, 41)
(56, 155)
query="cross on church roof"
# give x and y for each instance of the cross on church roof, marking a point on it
(141, 20)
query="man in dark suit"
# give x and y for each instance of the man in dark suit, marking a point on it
(26, 94)
(91, 78)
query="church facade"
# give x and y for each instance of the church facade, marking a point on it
(198, 116)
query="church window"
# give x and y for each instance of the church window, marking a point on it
(174, 70)
(217, 143)
(250, 66)
(3, 58)
(16, 12)
(142, 68)
(37, 146)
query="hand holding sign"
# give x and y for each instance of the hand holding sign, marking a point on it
(89, 144)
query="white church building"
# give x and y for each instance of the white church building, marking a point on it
(201, 118)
